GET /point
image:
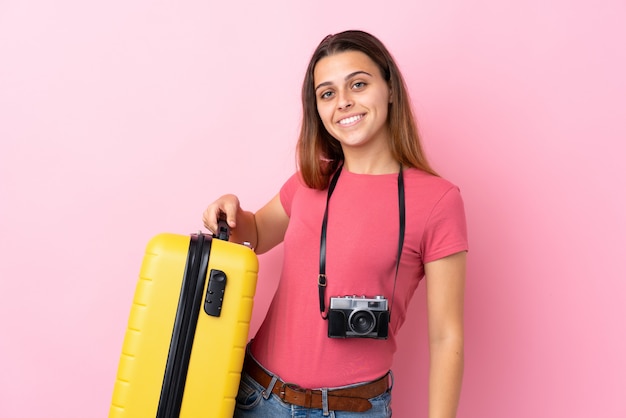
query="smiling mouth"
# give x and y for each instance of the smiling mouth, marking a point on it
(351, 119)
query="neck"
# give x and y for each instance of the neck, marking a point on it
(379, 164)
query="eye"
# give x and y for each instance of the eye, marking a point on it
(358, 85)
(326, 95)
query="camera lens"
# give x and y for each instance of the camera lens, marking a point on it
(362, 322)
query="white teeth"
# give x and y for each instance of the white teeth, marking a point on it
(349, 120)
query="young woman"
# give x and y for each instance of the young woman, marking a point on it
(363, 196)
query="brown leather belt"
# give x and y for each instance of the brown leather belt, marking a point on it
(353, 399)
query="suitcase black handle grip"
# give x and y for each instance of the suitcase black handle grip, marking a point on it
(223, 230)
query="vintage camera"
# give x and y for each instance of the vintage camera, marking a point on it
(358, 317)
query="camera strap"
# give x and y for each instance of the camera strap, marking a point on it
(321, 278)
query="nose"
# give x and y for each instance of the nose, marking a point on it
(345, 105)
(345, 102)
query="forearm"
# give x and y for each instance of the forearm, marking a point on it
(446, 375)
(245, 230)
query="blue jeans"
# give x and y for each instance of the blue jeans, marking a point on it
(252, 404)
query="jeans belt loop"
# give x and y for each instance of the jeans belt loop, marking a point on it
(268, 390)
(325, 402)
(391, 383)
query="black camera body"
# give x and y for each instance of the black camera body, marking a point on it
(358, 317)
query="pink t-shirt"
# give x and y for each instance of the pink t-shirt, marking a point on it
(362, 242)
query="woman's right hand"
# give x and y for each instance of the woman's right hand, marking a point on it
(262, 230)
(226, 207)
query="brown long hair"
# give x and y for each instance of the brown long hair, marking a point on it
(318, 153)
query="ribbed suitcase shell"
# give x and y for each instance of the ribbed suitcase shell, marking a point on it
(219, 344)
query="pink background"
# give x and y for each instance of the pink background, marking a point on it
(123, 119)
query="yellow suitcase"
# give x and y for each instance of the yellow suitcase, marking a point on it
(188, 327)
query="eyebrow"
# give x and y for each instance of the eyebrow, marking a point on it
(346, 78)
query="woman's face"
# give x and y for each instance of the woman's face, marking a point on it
(352, 100)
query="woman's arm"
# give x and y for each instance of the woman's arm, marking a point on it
(263, 230)
(445, 288)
